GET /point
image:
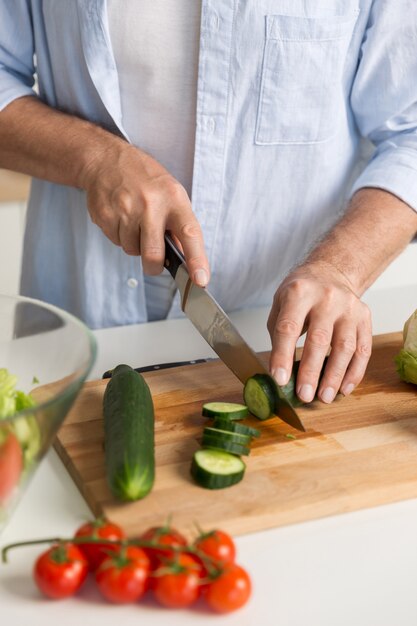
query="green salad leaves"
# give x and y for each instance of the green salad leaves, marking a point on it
(12, 400)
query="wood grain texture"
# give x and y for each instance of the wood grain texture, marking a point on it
(358, 452)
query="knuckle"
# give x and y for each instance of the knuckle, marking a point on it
(364, 349)
(345, 344)
(319, 337)
(297, 287)
(152, 252)
(190, 230)
(287, 327)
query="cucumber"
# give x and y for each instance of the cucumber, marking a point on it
(227, 435)
(260, 396)
(216, 469)
(219, 443)
(229, 410)
(234, 427)
(129, 434)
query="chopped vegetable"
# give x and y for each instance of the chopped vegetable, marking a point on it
(228, 410)
(406, 359)
(290, 436)
(216, 469)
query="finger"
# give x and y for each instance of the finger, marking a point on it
(105, 218)
(188, 232)
(285, 332)
(343, 349)
(360, 359)
(129, 235)
(152, 245)
(316, 347)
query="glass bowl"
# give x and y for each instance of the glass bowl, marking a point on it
(50, 353)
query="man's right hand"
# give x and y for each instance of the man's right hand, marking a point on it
(134, 200)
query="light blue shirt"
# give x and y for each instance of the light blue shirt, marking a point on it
(299, 104)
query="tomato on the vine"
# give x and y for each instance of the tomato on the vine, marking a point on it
(230, 590)
(177, 584)
(162, 536)
(60, 571)
(217, 545)
(100, 528)
(122, 577)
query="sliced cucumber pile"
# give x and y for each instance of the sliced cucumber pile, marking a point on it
(218, 464)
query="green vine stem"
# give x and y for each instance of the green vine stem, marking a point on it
(213, 566)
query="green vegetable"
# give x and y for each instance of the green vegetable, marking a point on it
(11, 400)
(406, 359)
(227, 435)
(129, 434)
(234, 427)
(25, 427)
(229, 410)
(259, 394)
(219, 443)
(216, 469)
(290, 436)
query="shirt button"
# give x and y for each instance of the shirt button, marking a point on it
(132, 283)
(211, 125)
(213, 22)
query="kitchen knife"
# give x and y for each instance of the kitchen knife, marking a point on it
(217, 329)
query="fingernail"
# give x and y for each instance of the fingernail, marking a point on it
(201, 278)
(306, 393)
(348, 389)
(328, 395)
(280, 375)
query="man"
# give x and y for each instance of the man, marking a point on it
(260, 112)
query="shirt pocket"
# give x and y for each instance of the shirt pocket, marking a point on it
(301, 94)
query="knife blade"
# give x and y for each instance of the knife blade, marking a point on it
(217, 329)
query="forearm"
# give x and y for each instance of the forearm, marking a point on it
(40, 141)
(375, 229)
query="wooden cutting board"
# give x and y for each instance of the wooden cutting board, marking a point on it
(358, 452)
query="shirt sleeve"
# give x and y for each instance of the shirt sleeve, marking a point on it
(17, 68)
(384, 98)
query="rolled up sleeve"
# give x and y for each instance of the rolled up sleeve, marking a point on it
(384, 98)
(17, 68)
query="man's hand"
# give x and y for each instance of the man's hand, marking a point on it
(131, 197)
(322, 296)
(134, 200)
(316, 298)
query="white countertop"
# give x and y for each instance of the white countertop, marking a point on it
(356, 569)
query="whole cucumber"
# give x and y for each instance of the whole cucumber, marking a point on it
(129, 434)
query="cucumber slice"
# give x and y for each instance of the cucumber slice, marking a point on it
(229, 410)
(260, 396)
(243, 440)
(219, 443)
(216, 469)
(225, 424)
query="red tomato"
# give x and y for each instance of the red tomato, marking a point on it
(122, 578)
(162, 535)
(218, 545)
(11, 464)
(230, 590)
(60, 571)
(100, 528)
(179, 585)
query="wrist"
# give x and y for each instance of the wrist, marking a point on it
(100, 146)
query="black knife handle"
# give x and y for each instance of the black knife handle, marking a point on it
(173, 257)
(161, 366)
